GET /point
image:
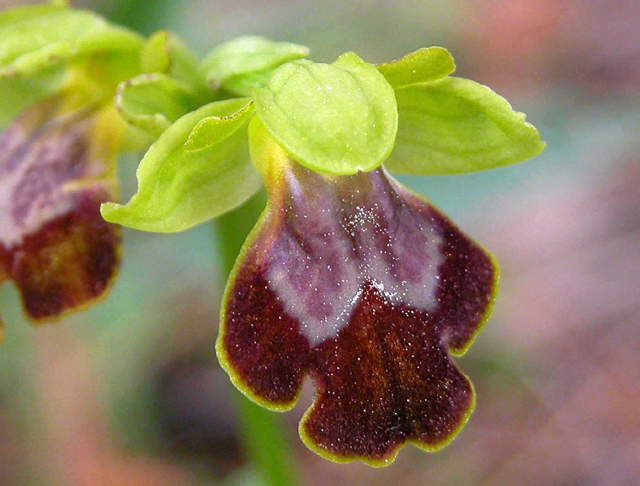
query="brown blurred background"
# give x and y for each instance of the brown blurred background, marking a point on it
(130, 391)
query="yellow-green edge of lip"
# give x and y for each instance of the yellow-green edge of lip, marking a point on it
(38, 321)
(495, 286)
(241, 385)
(223, 359)
(388, 459)
(495, 289)
(106, 292)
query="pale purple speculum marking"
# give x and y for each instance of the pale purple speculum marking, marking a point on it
(38, 158)
(339, 233)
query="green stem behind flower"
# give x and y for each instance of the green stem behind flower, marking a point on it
(262, 430)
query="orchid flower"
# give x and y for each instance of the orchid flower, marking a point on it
(59, 71)
(348, 277)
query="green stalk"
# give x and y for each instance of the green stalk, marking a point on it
(262, 430)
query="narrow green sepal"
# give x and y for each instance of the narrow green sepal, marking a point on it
(422, 66)
(337, 118)
(164, 52)
(456, 125)
(178, 189)
(152, 102)
(62, 34)
(245, 63)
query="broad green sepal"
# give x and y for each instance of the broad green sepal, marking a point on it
(37, 37)
(216, 129)
(422, 66)
(337, 118)
(152, 102)
(245, 63)
(456, 125)
(178, 189)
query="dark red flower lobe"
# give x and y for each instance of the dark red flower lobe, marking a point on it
(366, 287)
(56, 168)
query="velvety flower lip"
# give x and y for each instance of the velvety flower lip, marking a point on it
(367, 288)
(56, 168)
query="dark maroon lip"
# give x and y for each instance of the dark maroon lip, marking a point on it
(365, 287)
(53, 242)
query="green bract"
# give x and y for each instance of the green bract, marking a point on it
(245, 63)
(337, 118)
(178, 188)
(456, 125)
(422, 66)
(33, 38)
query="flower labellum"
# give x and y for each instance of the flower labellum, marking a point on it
(367, 288)
(56, 168)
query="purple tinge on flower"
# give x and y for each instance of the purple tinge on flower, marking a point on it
(367, 288)
(55, 170)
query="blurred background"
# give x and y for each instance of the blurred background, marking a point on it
(130, 392)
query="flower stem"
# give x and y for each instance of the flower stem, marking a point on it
(262, 430)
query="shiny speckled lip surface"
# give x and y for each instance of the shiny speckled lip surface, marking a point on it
(367, 288)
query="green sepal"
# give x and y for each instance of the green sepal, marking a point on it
(456, 125)
(34, 38)
(337, 118)
(21, 92)
(165, 53)
(215, 129)
(152, 102)
(244, 64)
(422, 66)
(171, 86)
(177, 188)
(27, 12)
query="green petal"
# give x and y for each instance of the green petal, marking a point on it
(62, 34)
(245, 63)
(337, 118)
(456, 125)
(177, 188)
(215, 129)
(152, 102)
(422, 66)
